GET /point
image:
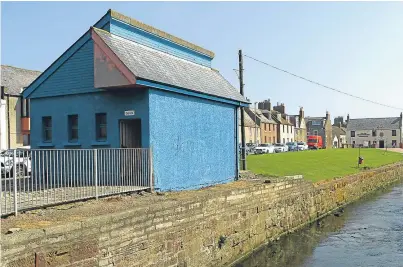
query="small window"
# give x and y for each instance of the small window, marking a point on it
(352, 133)
(73, 128)
(269, 127)
(283, 128)
(100, 126)
(393, 132)
(47, 129)
(291, 130)
(287, 129)
(265, 126)
(373, 133)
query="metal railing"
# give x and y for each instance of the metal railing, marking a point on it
(38, 177)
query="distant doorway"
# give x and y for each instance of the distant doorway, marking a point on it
(130, 133)
(381, 144)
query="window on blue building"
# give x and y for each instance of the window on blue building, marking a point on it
(47, 129)
(73, 128)
(100, 126)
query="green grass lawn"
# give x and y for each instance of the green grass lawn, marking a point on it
(321, 164)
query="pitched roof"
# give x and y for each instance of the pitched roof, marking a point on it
(15, 79)
(150, 64)
(282, 120)
(248, 121)
(261, 116)
(392, 123)
(148, 28)
(337, 131)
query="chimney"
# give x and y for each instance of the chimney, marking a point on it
(348, 118)
(280, 108)
(268, 105)
(301, 112)
(260, 105)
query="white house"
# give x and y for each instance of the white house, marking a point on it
(378, 132)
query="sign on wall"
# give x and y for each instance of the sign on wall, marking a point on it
(129, 113)
(363, 134)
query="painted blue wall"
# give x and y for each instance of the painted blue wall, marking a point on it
(129, 32)
(86, 105)
(193, 141)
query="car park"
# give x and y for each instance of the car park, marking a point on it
(264, 149)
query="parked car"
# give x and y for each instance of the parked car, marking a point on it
(315, 142)
(251, 147)
(278, 148)
(264, 149)
(292, 146)
(302, 146)
(23, 163)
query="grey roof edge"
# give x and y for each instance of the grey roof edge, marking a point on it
(241, 99)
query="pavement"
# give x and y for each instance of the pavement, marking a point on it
(399, 150)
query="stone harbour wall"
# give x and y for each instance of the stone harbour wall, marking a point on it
(209, 227)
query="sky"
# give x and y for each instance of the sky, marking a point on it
(356, 47)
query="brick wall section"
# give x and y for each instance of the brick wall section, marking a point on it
(211, 227)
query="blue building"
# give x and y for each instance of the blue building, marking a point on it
(127, 84)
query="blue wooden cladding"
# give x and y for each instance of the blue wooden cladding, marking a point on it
(193, 135)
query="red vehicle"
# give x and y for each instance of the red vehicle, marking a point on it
(315, 142)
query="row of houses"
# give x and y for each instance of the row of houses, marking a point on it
(271, 124)
(267, 124)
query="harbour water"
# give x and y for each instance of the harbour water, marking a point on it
(367, 233)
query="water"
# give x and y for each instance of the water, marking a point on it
(369, 233)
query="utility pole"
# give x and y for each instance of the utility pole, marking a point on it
(255, 127)
(243, 152)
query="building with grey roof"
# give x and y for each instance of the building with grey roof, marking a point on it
(126, 84)
(14, 125)
(377, 132)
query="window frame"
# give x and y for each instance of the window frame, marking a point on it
(72, 128)
(352, 133)
(394, 133)
(46, 129)
(99, 125)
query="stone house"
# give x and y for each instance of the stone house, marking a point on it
(252, 130)
(125, 84)
(268, 127)
(299, 125)
(339, 135)
(285, 129)
(14, 110)
(376, 132)
(321, 126)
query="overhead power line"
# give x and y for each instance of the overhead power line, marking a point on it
(322, 85)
